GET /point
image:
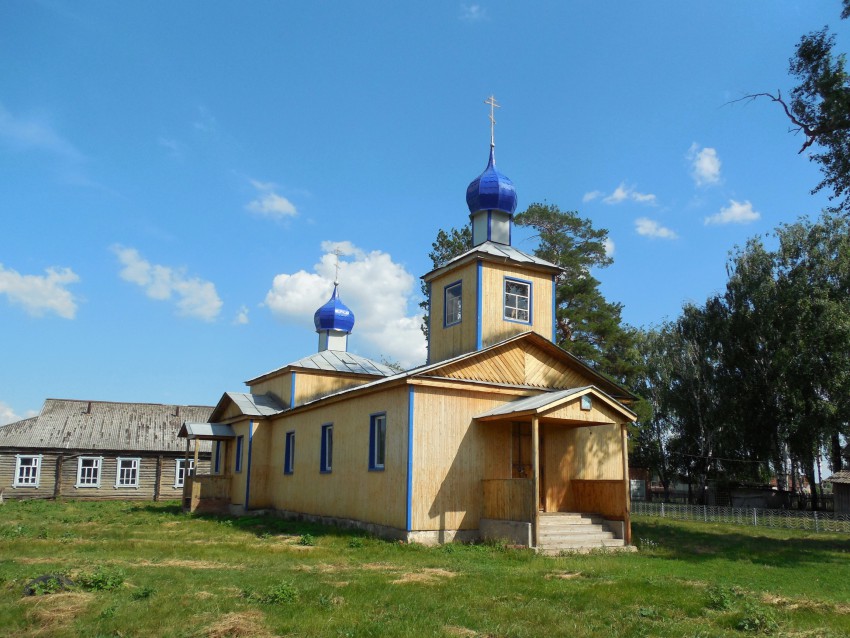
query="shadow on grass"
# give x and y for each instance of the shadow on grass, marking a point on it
(692, 543)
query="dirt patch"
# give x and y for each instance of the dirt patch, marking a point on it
(55, 610)
(247, 624)
(186, 564)
(563, 575)
(463, 632)
(377, 567)
(424, 576)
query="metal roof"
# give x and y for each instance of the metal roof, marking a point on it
(336, 361)
(531, 404)
(500, 252)
(255, 404)
(100, 425)
(206, 431)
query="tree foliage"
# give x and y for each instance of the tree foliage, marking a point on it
(759, 375)
(819, 108)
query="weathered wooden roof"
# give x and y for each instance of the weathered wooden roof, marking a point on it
(842, 476)
(335, 361)
(101, 425)
(493, 252)
(249, 405)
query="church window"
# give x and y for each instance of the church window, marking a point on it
(452, 304)
(239, 445)
(517, 300)
(326, 461)
(377, 441)
(27, 470)
(289, 454)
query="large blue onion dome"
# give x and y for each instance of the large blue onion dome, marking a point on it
(334, 315)
(491, 190)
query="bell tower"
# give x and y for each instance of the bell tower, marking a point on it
(492, 291)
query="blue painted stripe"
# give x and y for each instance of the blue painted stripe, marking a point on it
(479, 309)
(430, 336)
(292, 389)
(248, 475)
(409, 458)
(554, 312)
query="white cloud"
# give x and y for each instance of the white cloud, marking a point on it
(377, 290)
(623, 193)
(41, 294)
(8, 415)
(206, 122)
(194, 297)
(734, 213)
(34, 134)
(269, 203)
(589, 197)
(241, 316)
(472, 12)
(705, 165)
(609, 247)
(651, 228)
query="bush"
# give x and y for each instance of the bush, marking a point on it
(280, 594)
(307, 540)
(101, 579)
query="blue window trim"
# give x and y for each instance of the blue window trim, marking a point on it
(324, 466)
(530, 300)
(373, 461)
(292, 389)
(430, 335)
(446, 323)
(248, 476)
(217, 456)
(409, 515)
(479, 310)
(289, 453)
(240, 444)
(554, 310)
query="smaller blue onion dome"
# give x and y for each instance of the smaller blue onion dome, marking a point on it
(334, 315)
(491, 190)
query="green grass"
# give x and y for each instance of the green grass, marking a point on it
(149, 570)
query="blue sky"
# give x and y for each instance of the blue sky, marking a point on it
(176, 176)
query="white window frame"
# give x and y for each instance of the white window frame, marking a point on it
(180, 471)
(30, 480)
(512, 305)
(453, 306)
(135, 464)
(98, 470)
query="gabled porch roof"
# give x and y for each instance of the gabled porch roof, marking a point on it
(206, 431)
(547, 402)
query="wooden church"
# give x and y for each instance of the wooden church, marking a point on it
(501, 434)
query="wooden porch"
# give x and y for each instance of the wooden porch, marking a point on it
(206, 493)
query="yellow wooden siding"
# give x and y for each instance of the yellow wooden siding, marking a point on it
(494, 326)
(312, 384)
(350, 490)
(280, 385)
(593, 453)
(238, 481)
(447, 342)
(261, 476)
(546, 371)
(600, 412)
(452, 455)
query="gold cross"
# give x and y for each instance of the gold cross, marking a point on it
(492, 102)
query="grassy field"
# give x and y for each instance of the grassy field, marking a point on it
(146, 569)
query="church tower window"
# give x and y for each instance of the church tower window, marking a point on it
(517, 300)
(453, 294)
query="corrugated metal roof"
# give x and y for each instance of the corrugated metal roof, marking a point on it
(209, 431)
(498, 251)
(101, 425)
(336, 361)
(255, 404)
(529, 404)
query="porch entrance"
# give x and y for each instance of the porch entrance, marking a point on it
(521, 457)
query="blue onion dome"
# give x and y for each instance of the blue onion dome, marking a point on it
(491, 190)
(334, 315)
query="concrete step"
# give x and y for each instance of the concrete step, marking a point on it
(568, 531)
